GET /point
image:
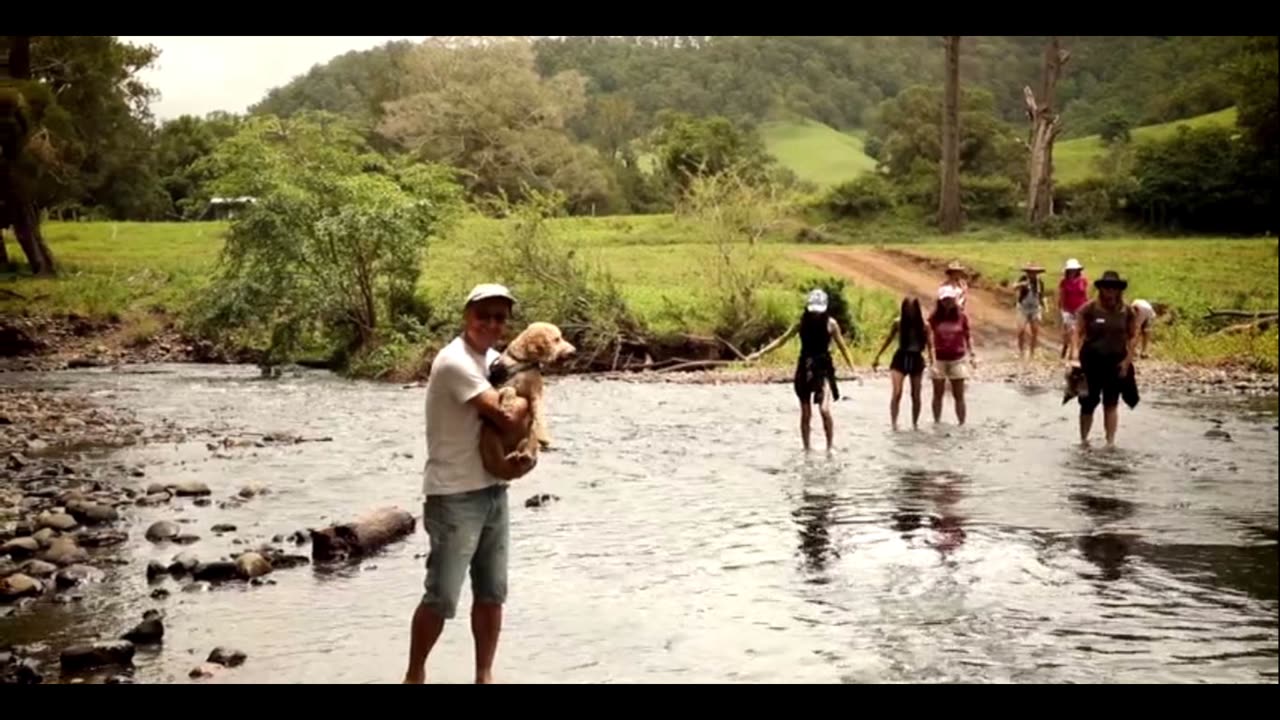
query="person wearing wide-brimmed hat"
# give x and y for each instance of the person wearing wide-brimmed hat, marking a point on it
(1105, 338)
(1073, 293)
(1030, 308)
(958, 278)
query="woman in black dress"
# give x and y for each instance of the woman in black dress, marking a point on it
(815, 368)
(909, 360)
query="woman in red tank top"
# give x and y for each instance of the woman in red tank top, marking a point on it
(1073, 294)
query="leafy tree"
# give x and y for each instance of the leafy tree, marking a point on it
(690, 147)
(336, 235)
(1114, 127)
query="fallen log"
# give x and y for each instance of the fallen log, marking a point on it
(1241, 313)
(365, 535)
(1259, 325)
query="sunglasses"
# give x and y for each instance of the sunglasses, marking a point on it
(498, 317)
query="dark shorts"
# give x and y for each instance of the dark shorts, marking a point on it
(1106, 385)
(468, 531)
(812, 376)
(907, 362)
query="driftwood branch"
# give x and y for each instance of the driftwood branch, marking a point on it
(695, 364)
(365, 535)
(1253, 326)
(1241, 313)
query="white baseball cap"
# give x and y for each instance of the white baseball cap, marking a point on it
(1073, 264)
(486, 291)
(817, 302)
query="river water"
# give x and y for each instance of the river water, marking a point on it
(693, 542)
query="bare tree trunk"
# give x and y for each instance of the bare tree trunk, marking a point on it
(949, 212)
(1045, 126)
(365, 535)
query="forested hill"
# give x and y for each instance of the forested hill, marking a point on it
(836, 80)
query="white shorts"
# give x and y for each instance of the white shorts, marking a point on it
(951, 369)
(1025, 318)
(1068, 321)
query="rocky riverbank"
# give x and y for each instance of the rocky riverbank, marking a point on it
(63, 518)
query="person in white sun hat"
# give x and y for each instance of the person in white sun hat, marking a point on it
(814, 369)
(1073, 294)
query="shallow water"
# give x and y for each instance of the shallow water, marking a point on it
(694, 543)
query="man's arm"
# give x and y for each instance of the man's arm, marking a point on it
(510, 420)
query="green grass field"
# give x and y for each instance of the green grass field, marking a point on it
(1191, 276)
(815, 152)
(663, 268)
(1075, 159)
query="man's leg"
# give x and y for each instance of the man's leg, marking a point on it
(489, 582)
(453, 543)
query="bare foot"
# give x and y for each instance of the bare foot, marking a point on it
(415, 679)
(484, 678)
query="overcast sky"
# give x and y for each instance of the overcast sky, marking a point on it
(198, 74)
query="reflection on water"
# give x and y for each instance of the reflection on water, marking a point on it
(693, 543)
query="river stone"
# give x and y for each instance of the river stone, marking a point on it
(156, 570)
(162, 530)
(93, 513)
(152, 500)
(216, 571)
(205, 670)
(183, 562)
(38, 568)
(62, 522)
(45, 537)
(19, 585)
(99, 654)
(189, 488)
(156, 489)
(223, 528)
(202, 502)
(187, 539)
(252, 565)
(227, 657)
(20, 548)
(78, 575)
(148, 632)
(64, 551)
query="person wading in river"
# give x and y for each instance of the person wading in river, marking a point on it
(1073, 293)
(465, 514)
(1105, 338)
(952, 346)
(814, 369)
(1030, 309)
(908, 360)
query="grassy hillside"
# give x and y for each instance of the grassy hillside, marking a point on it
(1074, 159)
(816, 152)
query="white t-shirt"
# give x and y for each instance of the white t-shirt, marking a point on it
(1145, 312)
(458, 374)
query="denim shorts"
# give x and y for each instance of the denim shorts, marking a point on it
(467, 531)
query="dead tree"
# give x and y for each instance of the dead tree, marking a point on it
(949, 212)
(365, 535)
(1046, 123)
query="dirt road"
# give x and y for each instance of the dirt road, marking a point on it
(995, 330)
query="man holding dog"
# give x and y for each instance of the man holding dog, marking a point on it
(465, 513)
